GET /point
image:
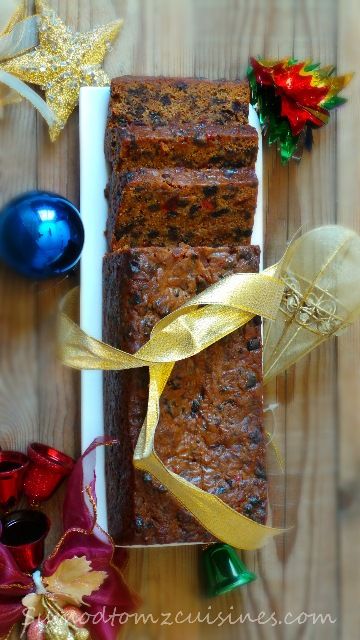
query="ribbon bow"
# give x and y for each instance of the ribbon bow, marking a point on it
(82, 569)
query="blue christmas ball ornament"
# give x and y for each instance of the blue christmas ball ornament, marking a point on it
(41, 235)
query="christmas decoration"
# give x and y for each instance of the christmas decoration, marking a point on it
(222, 570)
(74, 615)
(9, 46)
(321, 298)
(326, 261)
(36, 630)
(41, 234)
(73, 580)
(12, 469)
(63, 62)
(48, 468)
(292, 98)
(19, 34)
(81, 575)
(23, 533)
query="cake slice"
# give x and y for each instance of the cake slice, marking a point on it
(211, 415)
(188, 145)
(163, 207)
(158, 101)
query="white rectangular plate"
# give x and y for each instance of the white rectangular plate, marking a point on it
(93, 178)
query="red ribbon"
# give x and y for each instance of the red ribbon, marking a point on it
(82, 537)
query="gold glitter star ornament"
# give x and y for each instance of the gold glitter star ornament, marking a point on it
(63, 62)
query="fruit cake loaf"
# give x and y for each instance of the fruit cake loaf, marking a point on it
(194, 146)
(211, 422)
(163, 207)
(159, 101)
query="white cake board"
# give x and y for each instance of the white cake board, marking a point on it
(93, 207)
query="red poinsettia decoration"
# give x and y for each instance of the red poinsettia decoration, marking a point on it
(292, 96)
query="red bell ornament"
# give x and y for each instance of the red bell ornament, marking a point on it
(47, 469)
(23, 532)
(12, 470)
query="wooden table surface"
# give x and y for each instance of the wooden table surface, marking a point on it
(314, 568)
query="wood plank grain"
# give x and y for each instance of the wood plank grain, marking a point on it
(278, 41)
(19, 407)
(310, 568)
(19, 368)
(348, 214)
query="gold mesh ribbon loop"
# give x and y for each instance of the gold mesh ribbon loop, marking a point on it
(320, 271)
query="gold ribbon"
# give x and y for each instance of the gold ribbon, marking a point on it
(206, 318)
(327, 259)
(19, 35)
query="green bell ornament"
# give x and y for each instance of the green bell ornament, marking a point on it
(222, 570)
